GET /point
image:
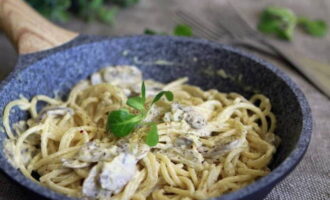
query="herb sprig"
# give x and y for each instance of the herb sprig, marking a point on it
(121, 122)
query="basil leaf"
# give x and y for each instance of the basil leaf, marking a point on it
(136, 102)
(317, 28)
(182, 30)
(168, 95)
(143, 91)
(152, 136)
(278, 21)
(121, 123)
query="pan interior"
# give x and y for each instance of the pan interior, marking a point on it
(163, 59)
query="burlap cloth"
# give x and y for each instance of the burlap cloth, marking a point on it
(311, 179)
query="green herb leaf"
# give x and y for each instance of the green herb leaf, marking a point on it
(182, 30)
(278, 21)
(148, 31)
(125, 3)
(317, 28)
(121, 123)
(136, 102)
(168, 95)
(152, 136)
(143, 91)
(107, 15)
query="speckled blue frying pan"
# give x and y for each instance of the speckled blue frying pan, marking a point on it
(52, 60)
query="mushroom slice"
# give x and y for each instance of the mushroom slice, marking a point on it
(117, 173)
(223, 148)
(96, 78)
(91, 186)
(94, 152)
(59, 110)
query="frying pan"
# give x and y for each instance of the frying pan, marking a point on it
(51, 60)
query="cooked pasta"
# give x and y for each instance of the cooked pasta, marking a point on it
(210, 143)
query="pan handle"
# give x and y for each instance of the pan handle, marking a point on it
(28, 31)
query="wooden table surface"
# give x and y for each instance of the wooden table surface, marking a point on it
(311, 179)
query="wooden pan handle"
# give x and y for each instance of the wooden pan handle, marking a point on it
(28, 31)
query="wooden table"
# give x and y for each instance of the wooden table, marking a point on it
(311, 179)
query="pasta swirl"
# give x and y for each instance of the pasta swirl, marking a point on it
(210, 143)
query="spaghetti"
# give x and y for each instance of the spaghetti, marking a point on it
(210, 143)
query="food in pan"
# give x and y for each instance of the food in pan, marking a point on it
(119, 137)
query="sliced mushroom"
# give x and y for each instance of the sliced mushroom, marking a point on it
(183, 142)
(94, 152)
(117, 173)
(195, 119)
(96, 78)
(91, 186)
(54, 111)
(122, 75)
(221, 149)
(179, 112)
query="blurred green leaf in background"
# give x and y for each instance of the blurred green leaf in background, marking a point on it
(89, 10)
(317, 28)
(278, 21)
(282, 22)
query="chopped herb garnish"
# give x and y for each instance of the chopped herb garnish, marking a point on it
(121, 122)
(179, 30)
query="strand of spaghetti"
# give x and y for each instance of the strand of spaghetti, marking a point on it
(23, 104)
(70, 134)
(150, 182)
(188, 183)
(44, 137)
(60, 189)
(165, 174)
(193, 176)
(181, 171)
(176, 83)
(170, 169)
(52, 174)
(69, 180)
(55, 156)
(202, 181)
(34, 101)
(20, 141)
(178, 191)
(83, 173)
(213, 176)
(227, 180)
(159, 194)
(32, 162)
(227, 112)
(131, 187)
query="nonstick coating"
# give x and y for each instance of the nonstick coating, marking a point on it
(166, 58)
